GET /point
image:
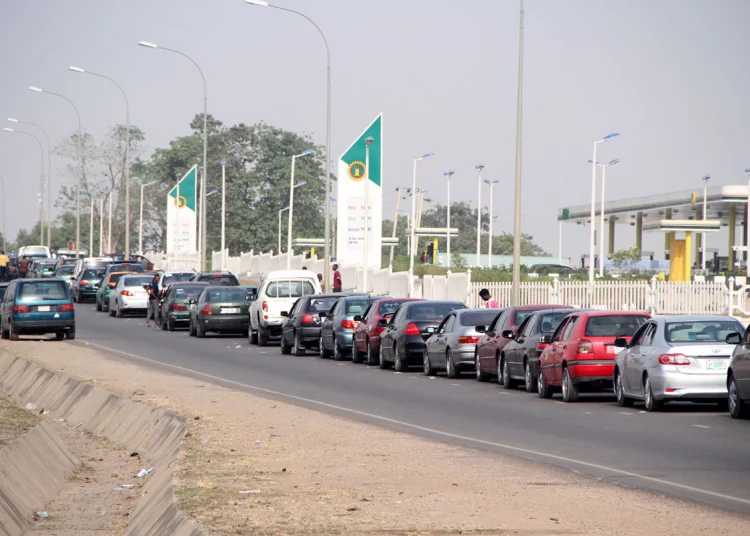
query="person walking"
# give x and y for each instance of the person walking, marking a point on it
(153, 300)
(489, 303)
(4, 261)
(336, 278)
(23, 267)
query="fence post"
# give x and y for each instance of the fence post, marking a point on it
(468, 284)
(554, 291)
(651, 296)
(730, 286)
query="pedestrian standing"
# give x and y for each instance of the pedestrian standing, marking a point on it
(23, 267)
(489, 303)
(153, 300)
(4, 261)
(336, 278)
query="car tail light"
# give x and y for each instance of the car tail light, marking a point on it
(541, 346)
(265, 306)
(84, 283)
(206, 309)
(67, 308)
(468, 340)
(585, 347)
(378, 331)
(412, 329)
(126, 293)
(20, 309)
(349, 324)
(307, 318)
(178, 307)
(673, 359)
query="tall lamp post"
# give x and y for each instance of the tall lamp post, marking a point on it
(202, 224)
(601, 212)
(593, 206)
(49, 176)
(140, 225)
(223, 209)
(413, 219)
(2, 183)
(365, 261)
(41, 184)
(292, 186)
(448, 175)
(408, 227)
(101, 227)
(126, 171)
(91, 229)
(705, 217)
(479, 168)
(747, 224)
(280, 211)
(328, 132)
(109, 223)
(83, 165)
(489, 241)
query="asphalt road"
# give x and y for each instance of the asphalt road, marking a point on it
(689, 451)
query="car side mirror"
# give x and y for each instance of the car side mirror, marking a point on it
(734, 338)
(284, 313)
(481, 329)
(430, 330)
(358, 318)
(508, 334)
(545, 339)
(621, 342)
(383, 322)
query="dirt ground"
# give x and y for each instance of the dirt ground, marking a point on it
(14, 421)
(304, 472)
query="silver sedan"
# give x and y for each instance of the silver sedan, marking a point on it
(675, 358)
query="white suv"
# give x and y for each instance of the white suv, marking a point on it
(277, 293)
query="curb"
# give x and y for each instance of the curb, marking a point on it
(154, 433)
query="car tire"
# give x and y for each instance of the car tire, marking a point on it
(98, 305)
(427, 367)
(297, 349)
(4, 333)
(450, 367)
(371, 360)
(70, 334)
(245, 333)
(284, 347)
(338, 355)
(399, 365)
(191, 330)
(542, 389)
(569, 389)
(508, 382)
(481, 376)
(170, 324)
(200, 331)
(322, 349)
(622, 400)
(12, 334)
(111, 311)
(105, 307)
(356, 356)
(262, 336)
(529, 382)
(738, 409)
(649, 401)
(60, 335)
(253, 339)
(119, 312)
(382, 363)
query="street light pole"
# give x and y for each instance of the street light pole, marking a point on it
(41, 183)
(223, 209)
(412, 220)
(109, 224)
(280, 211)
(705, 217)
(5, 238)
(292, 186)
(83, 164)
(126, 171)
(365, 263)
(601, 212)
(448, 175)
(593, 208)
(489, 241)
(479, 168)
(140, 226)
(91, 229)
(202, 224)
(747, 225)
(517, 200)
(101, 227)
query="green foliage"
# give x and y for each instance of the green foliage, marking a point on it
(624, 258)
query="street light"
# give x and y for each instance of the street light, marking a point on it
(223, 209)
(327, 261)
(202, 224)
(601, 212)
(408, 226)
(101, 227)
(280, 211)
(593, 206)
(2, 183)
(413, 219)
(83, 163)
(49, 176)
(489, 242)
(365, 262)
(292, 186)
(479, 168)
(109, 223)
(705, 217)
(91, 229)
(448, 175)
(747, 224)
(127, 156)
(41, 184)
(140, 230)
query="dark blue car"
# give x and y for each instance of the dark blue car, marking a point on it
(37, 307)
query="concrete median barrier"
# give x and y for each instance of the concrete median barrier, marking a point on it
(153, 433)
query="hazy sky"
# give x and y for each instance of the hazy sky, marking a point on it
(671, 76)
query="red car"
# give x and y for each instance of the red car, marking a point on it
(581, 354)
(366, 344)
(490, 347)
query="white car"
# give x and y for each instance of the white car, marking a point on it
(130, 294)
(166, 278)
(277, 293)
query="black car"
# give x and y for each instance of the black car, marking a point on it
(403, 341)
(174, 308)
(85, 285)
(301, 329)
(337, 331)
(546, 269)
(220, 309)
(531, 338)
(217, 279)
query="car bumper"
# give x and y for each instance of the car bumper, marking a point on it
(463, 355)
(43, 326)
(87, 293)
(594, 370)
(183, 316)
(133, 303)
(345, 339)
(227, 323)
(675, 385)
(414, 347)
(308, 336)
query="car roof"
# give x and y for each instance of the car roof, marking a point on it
(614, 313)
(537, 307)
(110, 274)
(438, 302)
(193, 284)
(695, 318)
(404, 300)
(360, 296)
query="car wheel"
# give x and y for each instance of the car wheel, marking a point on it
(322, 349)
(450, 366)
(356, 356)
(262, 336)
(60, 335)
(481, 376)
(542, 389)
(4, 333)
(98, 305)
(70, 334)
(283, 346)
(508, 382)
(622, 400)
(381, 360)
(569, 389)
(296, 348)
(190, 329)
(118, 312)
(738, 409)
(400, 365)
(170, 324)
(253, 336)
(651, 403)
(338, 355)
(13, 334)
(528, 378)
(111, 311)
(427, 365)
(200, 330)
(371, 360)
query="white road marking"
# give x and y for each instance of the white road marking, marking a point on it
(701, 426)
(626, 413)
(456, 384)
(450, 435)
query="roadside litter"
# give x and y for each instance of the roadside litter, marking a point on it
(31, 406)
(41, 515)
(255, 491)
(144, 472)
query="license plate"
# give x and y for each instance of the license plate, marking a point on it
(612, 349)
(43, 309)
(230, 310)
(716, 364)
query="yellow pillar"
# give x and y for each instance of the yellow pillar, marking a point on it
(312, 252)
(732, 225)
(676, 259)
(434, 250)
(688, 260)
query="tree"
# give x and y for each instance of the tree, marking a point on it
(626, 258)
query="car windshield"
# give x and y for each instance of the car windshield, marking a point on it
(66, 269)
(93, 273)
(289, 289)
(520, 316)
(43, 290)
(114, 278)
(184, 293)
(226, 295)
(613, 325)
(220, 280)
(138, 281)
(549, 321)
(478, 318)
(389, 307)
(320, 305)
(715, 331)
(432, 311)
(357, 307)
(35, 250)
(176, 278)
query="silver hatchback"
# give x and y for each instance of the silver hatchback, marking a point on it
(675, 358)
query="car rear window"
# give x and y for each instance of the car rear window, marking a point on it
(520, 316)
(43, 290)
(188, 292)
(138, 281)
(321, 305)
(93, 273)
(290, 289)
(66, 269)
(176, 278)
(389, 307)
(548, 322)
(219, 280)
(226, 295)
(432, 311)
(613, 325)
(708, 331)
(114, 278)
(357, 307)
(478, 318)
